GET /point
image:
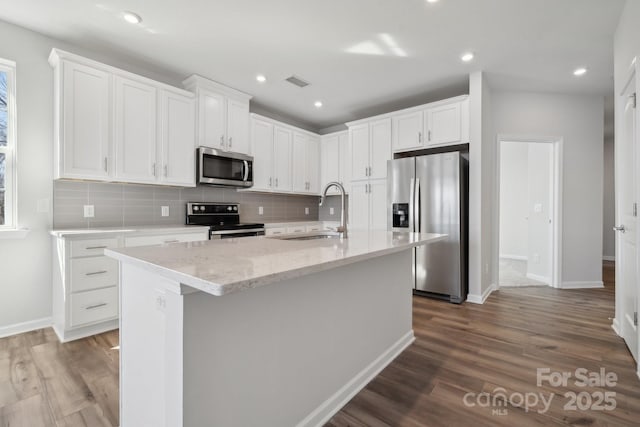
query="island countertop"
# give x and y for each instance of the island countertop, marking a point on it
(220, 267)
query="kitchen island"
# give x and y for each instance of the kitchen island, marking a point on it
(260, 331)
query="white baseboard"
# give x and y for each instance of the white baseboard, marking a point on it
(616, 327)
(19, 328)
(333, 404)
(581, 285)
(480, 299)
(543, 279)
(608, 258)
(86, 331)
(514, 257)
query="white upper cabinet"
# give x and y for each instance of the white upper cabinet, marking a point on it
(305, 163)
(282, 158)
(112, 125)
(177, 112)
(444, 124)
(135, 131)
(407, 131)
(359, 142)
(223, 115)
(262, 148)
(380, 151)
(330, 159)
(82, 138)
(313, 165)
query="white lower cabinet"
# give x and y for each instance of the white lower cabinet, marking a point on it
(368, 205)
(86, 282)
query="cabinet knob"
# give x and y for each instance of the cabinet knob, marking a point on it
(221, 140)
(230, 141)
(105, 164)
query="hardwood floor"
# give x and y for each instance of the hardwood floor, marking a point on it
(458, 350)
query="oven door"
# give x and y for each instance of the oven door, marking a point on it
(233, 234)
(216, 167)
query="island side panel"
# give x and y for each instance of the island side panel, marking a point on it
(151, 324)
(294, 352)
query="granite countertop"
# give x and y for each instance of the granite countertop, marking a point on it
(138, 229)
(221, 267)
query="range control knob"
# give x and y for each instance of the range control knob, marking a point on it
(229, 208)
(235, 208)
(196, 208)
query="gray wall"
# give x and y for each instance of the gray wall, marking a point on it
(127, 205)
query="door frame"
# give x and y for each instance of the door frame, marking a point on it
(633, 77)
(557, 143)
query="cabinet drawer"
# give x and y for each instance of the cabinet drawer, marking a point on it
(274, 231)
(93, 306)
(92, 247)
(164, 239)
(297, 229)
(317, 227)
(93, 273)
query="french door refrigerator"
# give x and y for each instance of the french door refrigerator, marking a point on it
(429, 194)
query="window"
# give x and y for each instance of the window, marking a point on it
(7, 145)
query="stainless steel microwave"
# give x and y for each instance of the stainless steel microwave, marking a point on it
(222, 168)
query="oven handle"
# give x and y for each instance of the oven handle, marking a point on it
(246, 170)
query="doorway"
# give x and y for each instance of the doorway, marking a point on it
(528, 192)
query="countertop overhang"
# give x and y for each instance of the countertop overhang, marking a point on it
(221, 267)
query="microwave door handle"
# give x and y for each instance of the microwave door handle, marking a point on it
(246, 170)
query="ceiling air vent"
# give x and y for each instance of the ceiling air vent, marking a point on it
(297, 81)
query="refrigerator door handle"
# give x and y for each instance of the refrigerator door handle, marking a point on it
(416, 206)
(412, 227)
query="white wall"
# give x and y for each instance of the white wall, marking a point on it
(579, 121)
(514, 178)
(25, 265)
(609, 203)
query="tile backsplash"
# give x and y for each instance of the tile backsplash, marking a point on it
(334, 202)
(118, 205)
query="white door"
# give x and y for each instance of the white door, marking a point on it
(380, 148)
(178, 139)
(238, 126)
(444, 124)
(299, 162)
(345, 161)
(135, 129)
(262, 148)
(85, 123)
(313, 165)
(378, 204)
(282, 159)
(330, 159)
(359, 205)
(212, 120)
(407, 131)
(626, 276)
(359, 142)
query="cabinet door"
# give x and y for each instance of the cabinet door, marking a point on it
(359, 142)
(262, 148)
(282, 159)
(378, 204)
(135, 106)
(238, 126)
(380, 148)
(331, 162)
(299, 163)
(345, 161)
(178, 139)
(359, 205)
(444, 124)
(313, 165)
(84, 133)
(211, 119)
(407, 131)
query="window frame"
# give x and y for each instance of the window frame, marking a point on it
(10, 179)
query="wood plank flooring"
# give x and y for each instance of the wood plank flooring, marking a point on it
(458, 350)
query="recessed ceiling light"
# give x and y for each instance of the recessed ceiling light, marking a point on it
(131, 18)
(466, 57)
(580, 71)
(318, 104)
(432, 1)
(261, 78)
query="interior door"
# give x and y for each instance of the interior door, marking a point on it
(626, 277)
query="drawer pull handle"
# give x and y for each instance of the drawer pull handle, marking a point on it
(93, 273)
(171, 241)
(96, 247)
(91, 307)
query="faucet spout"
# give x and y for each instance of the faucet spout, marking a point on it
(343, 216)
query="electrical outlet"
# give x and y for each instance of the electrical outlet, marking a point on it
(89, 211)
(164, 210)
(306, 211)
(260, 210)
(332, 211)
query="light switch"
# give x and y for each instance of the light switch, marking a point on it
(260, 210)
(89, 211)
(306, 211)
(164, 210)
(331, 211)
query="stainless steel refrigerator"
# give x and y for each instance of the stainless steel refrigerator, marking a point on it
(429, 194)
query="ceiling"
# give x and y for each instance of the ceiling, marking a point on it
(362, 57)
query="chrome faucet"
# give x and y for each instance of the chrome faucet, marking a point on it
(343, 216)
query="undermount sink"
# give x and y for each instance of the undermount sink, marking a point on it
(309, 236)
